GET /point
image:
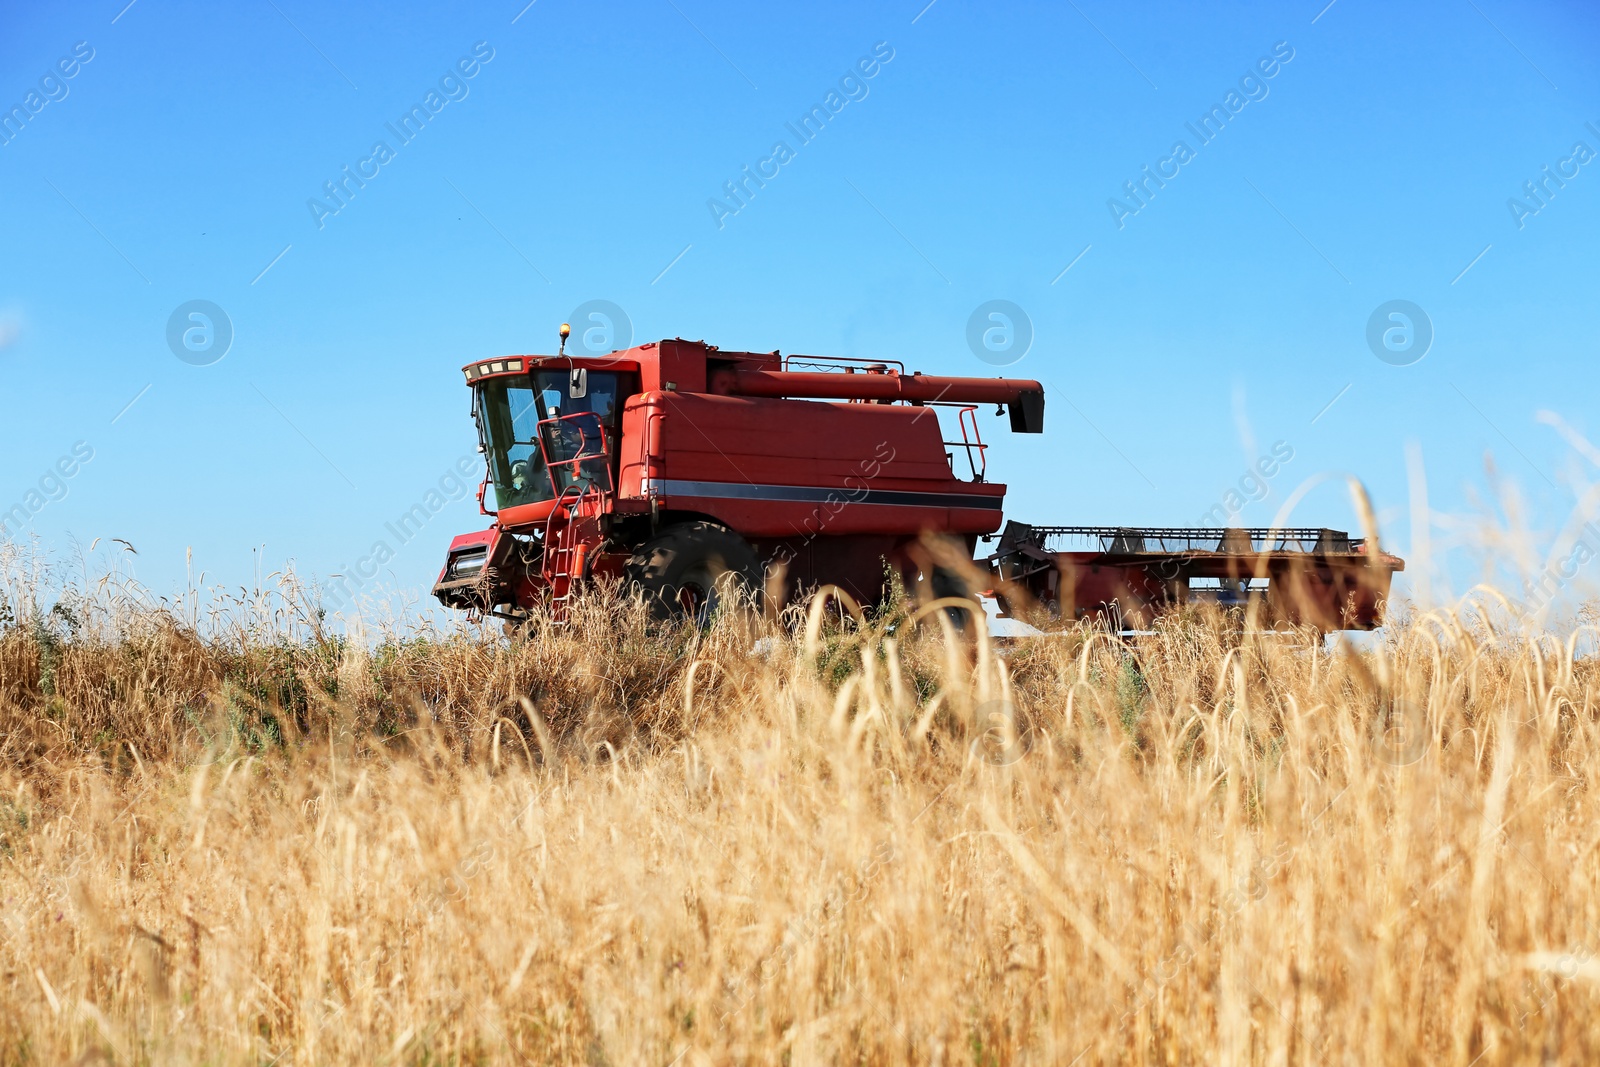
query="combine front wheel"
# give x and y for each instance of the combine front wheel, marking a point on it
(686, 570)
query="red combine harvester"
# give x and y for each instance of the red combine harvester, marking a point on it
(678, 467)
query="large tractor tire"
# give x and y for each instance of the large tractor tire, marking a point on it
(686, 571)
(948, 583)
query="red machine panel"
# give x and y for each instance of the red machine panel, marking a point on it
(786, 468)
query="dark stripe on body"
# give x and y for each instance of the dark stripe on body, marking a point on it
(802, 494)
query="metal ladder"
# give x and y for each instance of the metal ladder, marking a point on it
(566, 550)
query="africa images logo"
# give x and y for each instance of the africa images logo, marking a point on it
(1399, 332)
(199, 332)
(452, 87)
(999, 332)
(852, 86)
(53, 88)
(1207, 128)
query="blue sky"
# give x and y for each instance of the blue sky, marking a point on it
(978, 163)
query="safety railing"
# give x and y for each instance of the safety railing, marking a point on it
(1165, 540)
(842, 364)
(576, 452)
(971, 443)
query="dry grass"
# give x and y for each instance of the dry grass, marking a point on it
(605, 844)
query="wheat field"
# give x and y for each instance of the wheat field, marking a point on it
(230, 837)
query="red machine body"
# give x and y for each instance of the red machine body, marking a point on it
(673, 463)
(835, 467)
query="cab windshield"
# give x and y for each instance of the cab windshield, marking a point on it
(509, 412)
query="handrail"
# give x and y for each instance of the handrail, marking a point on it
(844, 364)
(577, 472)
(483, 487)
(971, 441)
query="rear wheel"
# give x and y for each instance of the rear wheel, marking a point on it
(687, 570)
(948, 583)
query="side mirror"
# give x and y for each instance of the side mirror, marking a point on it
(578, 383)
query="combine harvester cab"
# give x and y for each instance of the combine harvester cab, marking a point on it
(1131, 576)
